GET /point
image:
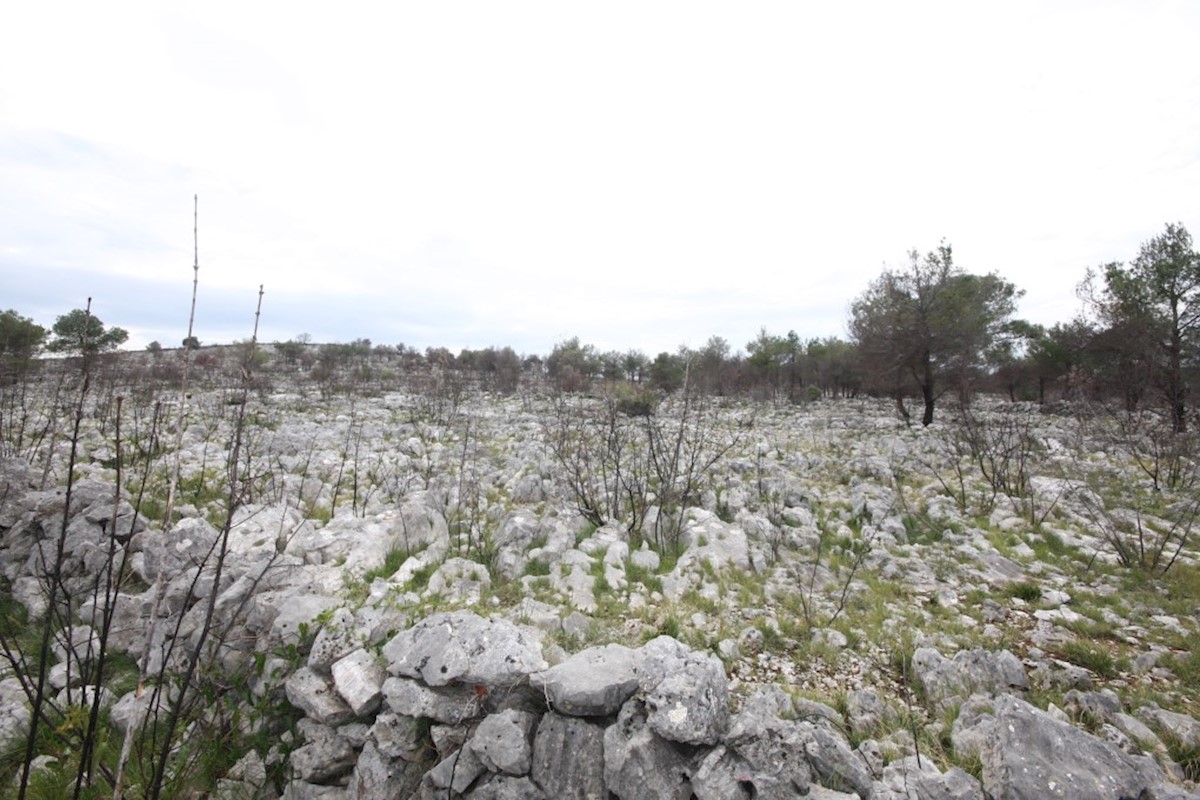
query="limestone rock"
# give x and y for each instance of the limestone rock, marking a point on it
(461, 647)
(324, 756)
(968, 672)
(592, 683)
(377, 777)
(503, 787)
(312, 694)
(1026, 753)
(920, 778)
(359, 679)
(503, 742)
(568, 758)
(691, 704)
(638, 763)
(449, 705)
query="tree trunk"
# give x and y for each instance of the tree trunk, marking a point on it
(1175, 387)
(927, 391)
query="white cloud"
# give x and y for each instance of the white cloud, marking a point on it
(639, 175)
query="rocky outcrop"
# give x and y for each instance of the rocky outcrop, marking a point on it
(470, 709)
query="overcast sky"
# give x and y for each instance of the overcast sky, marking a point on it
(641, 175)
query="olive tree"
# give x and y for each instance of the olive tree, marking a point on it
(928, 326)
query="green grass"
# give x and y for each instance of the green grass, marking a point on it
(1029, 591)
(1097, 658)
(536, 567)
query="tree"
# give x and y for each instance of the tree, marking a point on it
(929, 326)
(572, 365)
(667, 372)
(20, 338)
(191, 343)
(1159, 294)
(80, 332)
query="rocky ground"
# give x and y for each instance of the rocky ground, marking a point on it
(849, 607)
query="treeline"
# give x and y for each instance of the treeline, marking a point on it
(917, 333)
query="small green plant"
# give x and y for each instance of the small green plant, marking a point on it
(536, 567)
(1091, 656)
(1029, 591)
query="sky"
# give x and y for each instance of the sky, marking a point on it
(642, 175)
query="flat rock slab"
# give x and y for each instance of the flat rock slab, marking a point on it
(594, 682)
(461, 647)
(1026, 753)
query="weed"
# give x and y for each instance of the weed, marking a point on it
(1091, 656)
(1029, 591)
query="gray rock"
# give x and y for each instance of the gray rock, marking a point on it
(503, 742)
(866, 712)
(568, 758)
(832, 761)
(298, 618)
(968, 672)
(691, 704)
(460, 580)
(312, 694)
(503, 787)
(461, 647)
(335, 640)
(359, 679)
(640, 764)
(914, 778)
(450, 705)
(1180, 727)
(302, 790)
(764, 770)
(323, 757)
(592, 683)
(399, 736)
(1027, 754)
(456, 771)
(14, 711)
(378, 777)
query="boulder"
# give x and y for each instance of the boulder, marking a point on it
(313, 694)
(461, 647)
(919, 778)
(568, 757)
(359, 679)
(638, 763)
(324, 756)
(502, 787)
(378, 777)
(449, 705)
(594, 682)
(1027, 754)
(970, 671)
(691, 704)
(503, 742)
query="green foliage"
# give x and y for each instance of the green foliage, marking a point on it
(81, 333)
(635, 403)
(1095, 657)
(20, 339)
(535, 567)
(1029, 591)
(919, 327)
